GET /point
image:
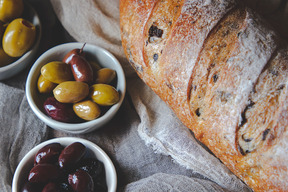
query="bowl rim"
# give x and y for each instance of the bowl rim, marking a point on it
(98, 151)
(34, 48)
(74, 127)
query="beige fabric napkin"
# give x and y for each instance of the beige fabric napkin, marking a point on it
(20, 130)
(97, 22)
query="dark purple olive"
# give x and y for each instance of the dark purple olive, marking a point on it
(81, 181)
(65, 186)
(51, 187)
(48, 154)
(93, 166)
(63, 183)
(67, 58)
(44, 173)
(81, 69)
(96, 170)
(59, 111)
(31, 187)
(71, 155)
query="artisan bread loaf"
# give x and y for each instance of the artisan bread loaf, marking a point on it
(224, 72)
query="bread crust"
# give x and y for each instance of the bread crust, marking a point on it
(223, 71)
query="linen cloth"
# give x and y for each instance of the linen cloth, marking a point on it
(150, 148)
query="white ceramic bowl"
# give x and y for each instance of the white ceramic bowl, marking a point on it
(27, 59)
(25, 165)
(103, 57)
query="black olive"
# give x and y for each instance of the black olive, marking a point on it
(51, 187)
(32, 187)
(155, 57)
(93, 166)
(48, 154)
(215, 78)
(155, 31)
(198, 112)
(81, 181)
(265, 133)
(44, 173)
(71, 155)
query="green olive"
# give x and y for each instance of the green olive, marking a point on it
(103, 94)
(10, 9)
(57, 72)
(4, 58)
(87, 110)
(44, 85)
(18, 37)
(105, 75)
(71, 91)
(95, 66)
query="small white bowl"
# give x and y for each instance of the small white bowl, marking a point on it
(103, 57)
(25, 165)
(24, 61)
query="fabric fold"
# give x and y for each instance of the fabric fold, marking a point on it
(169, 182)
(20, 131)
(164, 132)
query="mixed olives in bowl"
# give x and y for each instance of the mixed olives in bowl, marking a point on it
(20, 34)
(76, 87)
(65, 164)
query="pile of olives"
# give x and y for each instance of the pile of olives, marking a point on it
(76, 88)
(65, 169)
(17, 34)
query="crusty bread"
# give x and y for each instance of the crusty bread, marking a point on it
(224, 72)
